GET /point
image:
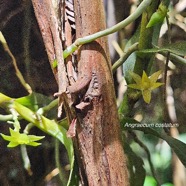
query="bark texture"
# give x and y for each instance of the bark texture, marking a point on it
(98, 133)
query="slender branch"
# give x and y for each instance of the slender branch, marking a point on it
(18, 72)
(124, 56)
(176, 59)
(10, 15)
(117, 48)
(165, 73)
(48, 107)
(28, 128)
(167, 58)
(87, 39)
(145, 40)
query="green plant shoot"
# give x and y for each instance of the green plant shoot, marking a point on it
(145, 84)
(158, 16)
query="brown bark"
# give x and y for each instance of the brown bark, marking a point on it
(99, 135)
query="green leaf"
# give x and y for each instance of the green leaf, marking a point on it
(178, 48)
(48, 126)
(178, 146)
(137, 171)
(158, 16)
(4, 100)
(167, 184)
(129, 64)
(149, 180)
(34, 101)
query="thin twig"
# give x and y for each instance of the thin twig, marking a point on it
(124, 56)
(18, 73)
(48, 107)
(167, 59)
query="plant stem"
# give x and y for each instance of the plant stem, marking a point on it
(18, 72)
(26, 159)
(145, 39)
(87, 39)
(6, 117)
(124, 56)
(48, 107)
(58, 164)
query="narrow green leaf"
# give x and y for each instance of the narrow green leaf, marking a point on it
(137, 171)
(4, 100)
(158, 16)
(178, 48)
(34, 101)
(178, 146)
(129, 64)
